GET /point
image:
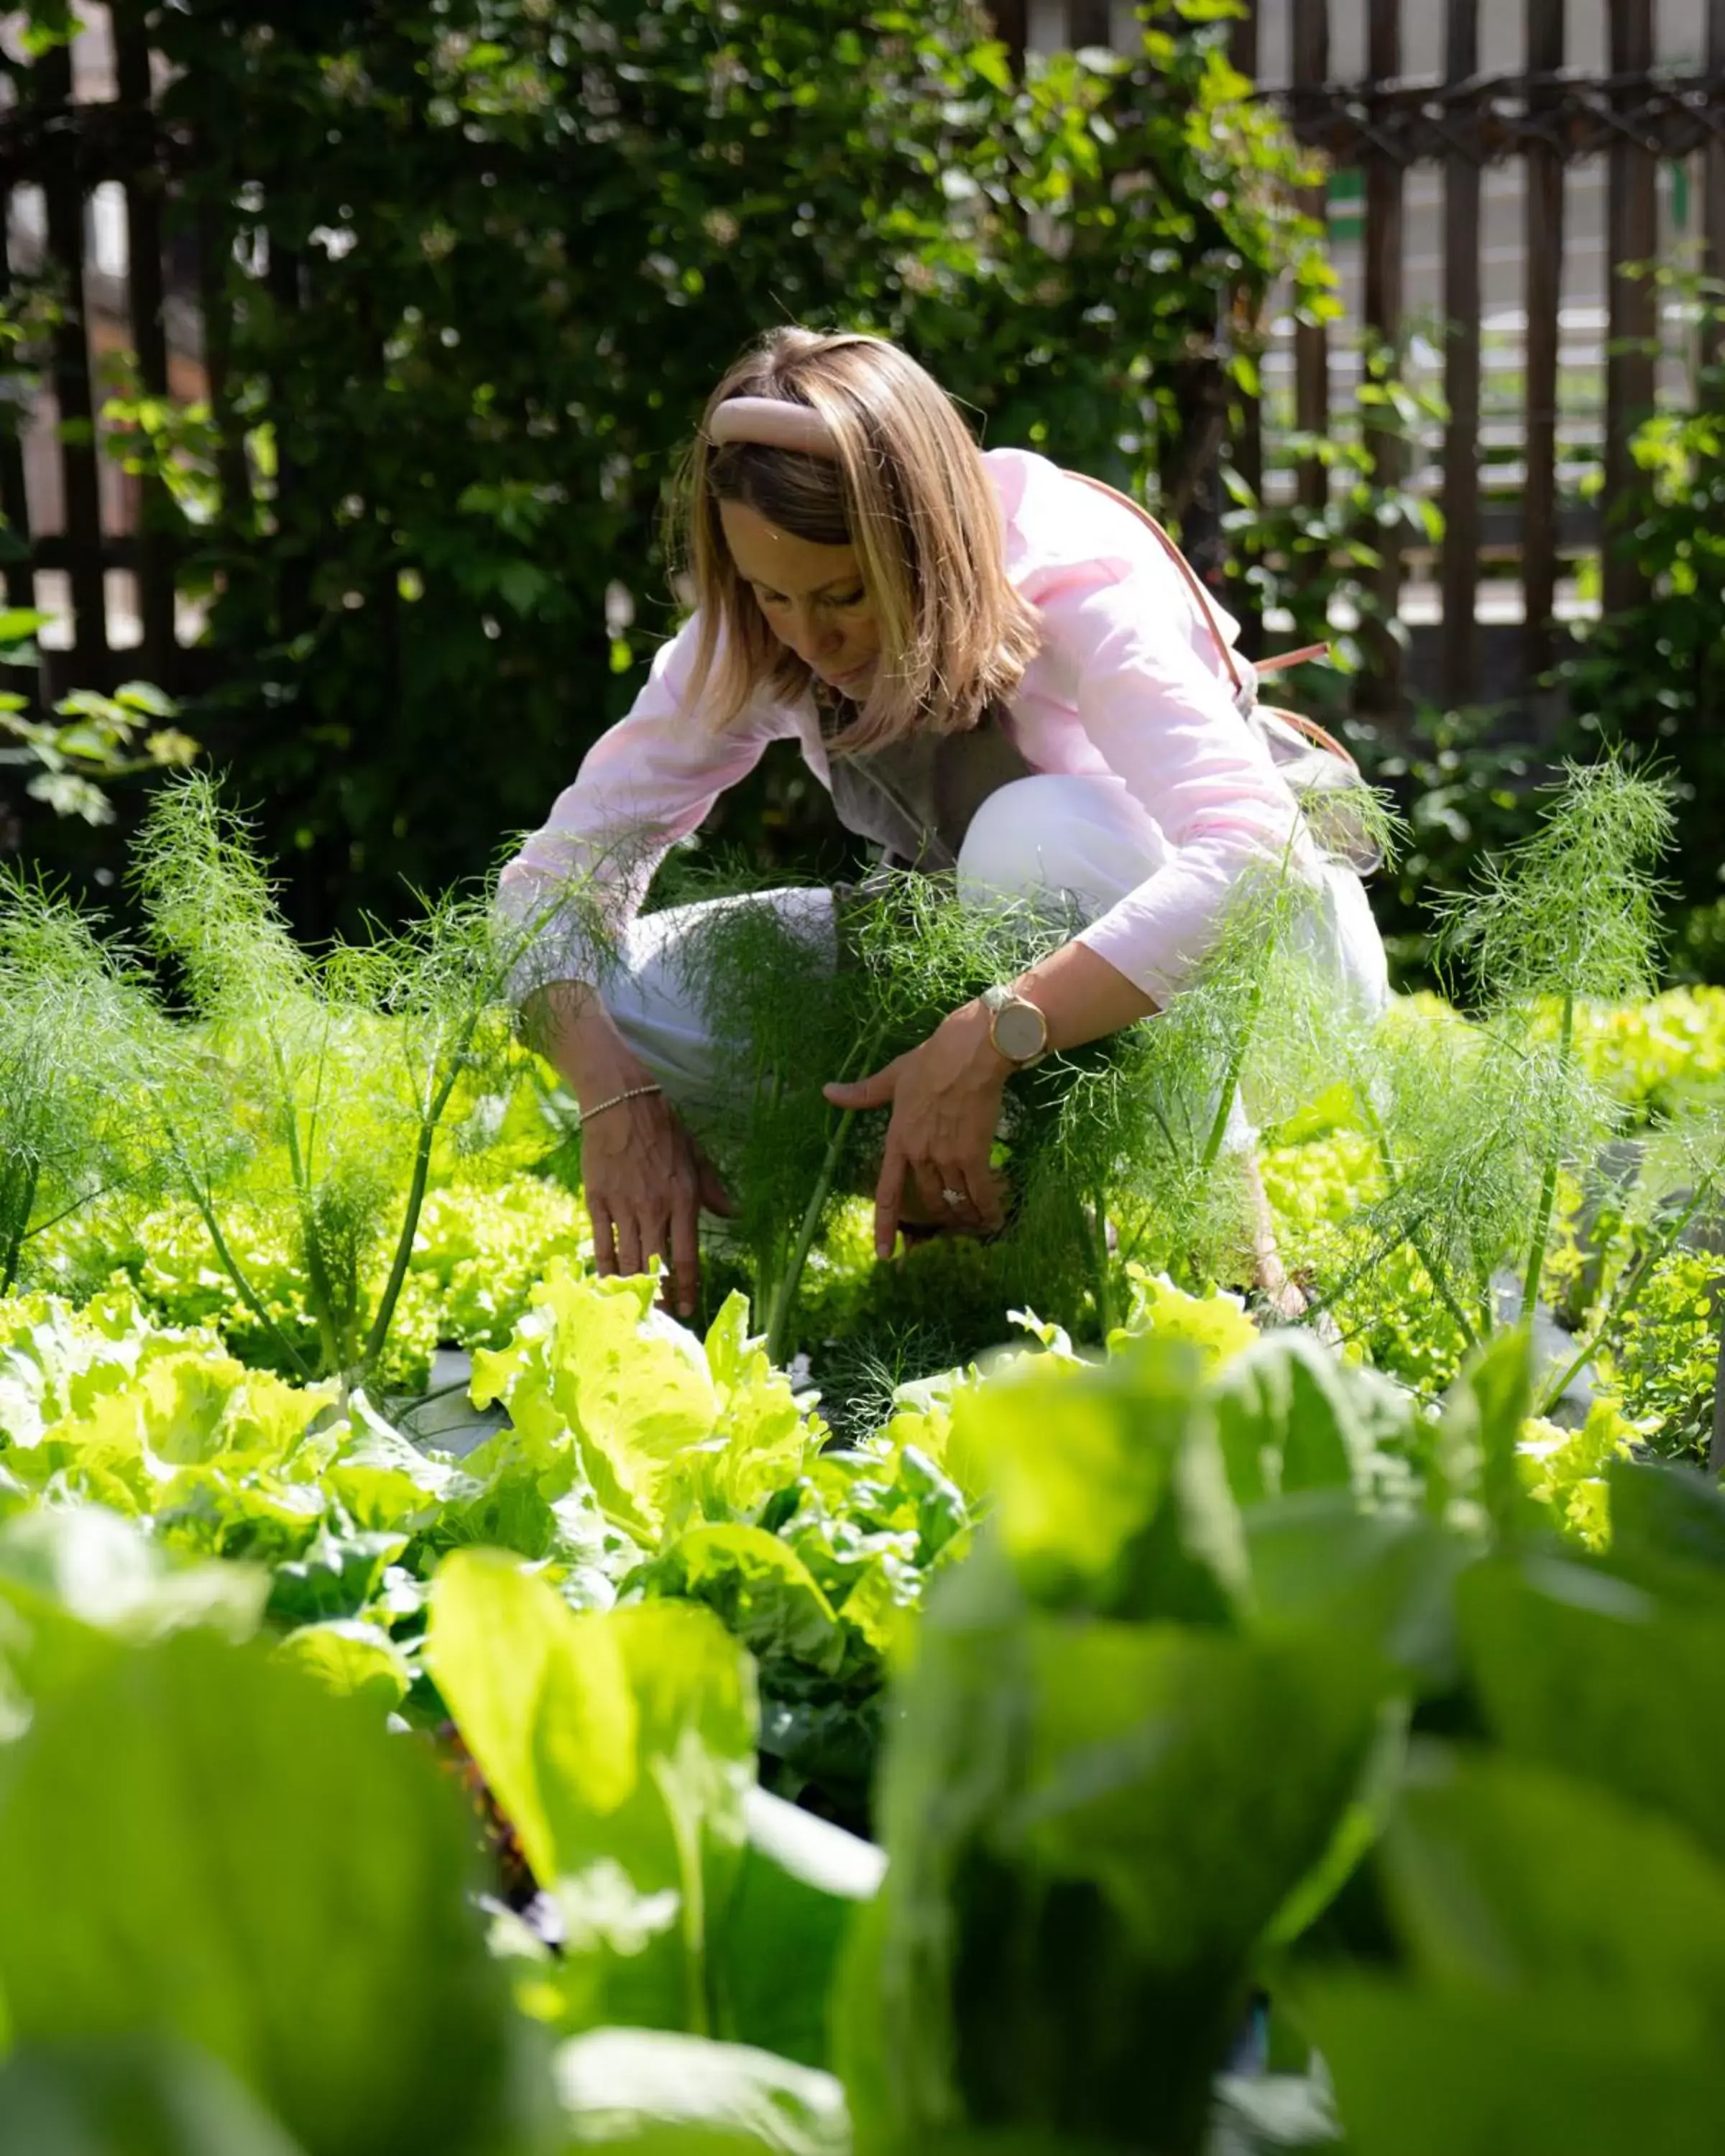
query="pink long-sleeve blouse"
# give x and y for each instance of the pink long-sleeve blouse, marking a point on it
(1127, 681)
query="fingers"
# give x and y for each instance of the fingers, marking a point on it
(979, 1208)
(889, 1196)
(604, 1247)
(874, 1092)
(932, 1184)
(631, 1245)
(713, 1194)
(645, 1189)
(685, 1251)
(989, 1190)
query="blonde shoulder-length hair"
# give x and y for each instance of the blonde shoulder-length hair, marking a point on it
(908, 489)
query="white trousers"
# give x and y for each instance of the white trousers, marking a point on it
(1084, 838)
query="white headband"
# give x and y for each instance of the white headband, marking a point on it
(772, 423)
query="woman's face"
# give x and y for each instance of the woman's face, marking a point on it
(813, 596)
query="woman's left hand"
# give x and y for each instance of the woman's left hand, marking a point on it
(945, 1098)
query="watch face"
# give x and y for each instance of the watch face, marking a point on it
(1020, 1031)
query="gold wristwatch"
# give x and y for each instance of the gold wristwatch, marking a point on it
(1017, 1028)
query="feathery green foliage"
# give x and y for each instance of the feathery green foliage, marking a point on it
(1473, 1124)
(71, 1014)
(300, 1055)
(799, 1000)
(1460, 1118)
(301, 1095)
(1572, 911)
(1130, 1130)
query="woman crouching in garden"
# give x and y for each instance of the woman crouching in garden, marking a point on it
(998, 672)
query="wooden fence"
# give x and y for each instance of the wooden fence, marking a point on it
(81, 153)
(1381, 125)
(1550, 118)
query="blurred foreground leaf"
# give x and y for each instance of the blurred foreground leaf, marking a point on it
(261, 1871)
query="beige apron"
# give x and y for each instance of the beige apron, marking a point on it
(915, 798)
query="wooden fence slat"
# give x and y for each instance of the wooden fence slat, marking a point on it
(1713, 187)
(1461, 384)
(1312, 346)
(1011, 19)
(20, 577)
(1248, 446)
(159, 654)
(1632, 228)
(1380, 689)
(1544, 241)
(215, 244)
(88, 663)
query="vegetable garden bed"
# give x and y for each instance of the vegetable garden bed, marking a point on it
(1201, 1737)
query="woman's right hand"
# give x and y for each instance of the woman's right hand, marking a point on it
(646, 1181)
(644, 1177)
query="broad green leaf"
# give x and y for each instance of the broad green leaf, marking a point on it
(1091, 1827)
(598, 1377)
(764, 1431)
(1193, 1777)
(18, 623)
(503, 1506)
(1419, 2073)
(623, 1739)
(1106, 1486)
(1291, 1416)
(1474, 1458)
(780, 1936)
(43, 1649)
(1588, 1675)
(1513, 1881)
(1668, 1531)
(76, 1582)
(353, 1660)
(131, 2097)
(1215, 1325)
(663, 2095)
(385, 1482)
(1385, 1579)
(335, 1576)
(261, 1871)
(1566, 1469)
(104, 1570)
(189, 1431)
(545, 1709)
(145, 696)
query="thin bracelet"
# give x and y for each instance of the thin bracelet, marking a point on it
(617, 1100)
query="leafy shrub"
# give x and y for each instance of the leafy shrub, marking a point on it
(481, 263)
(1312, 564)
